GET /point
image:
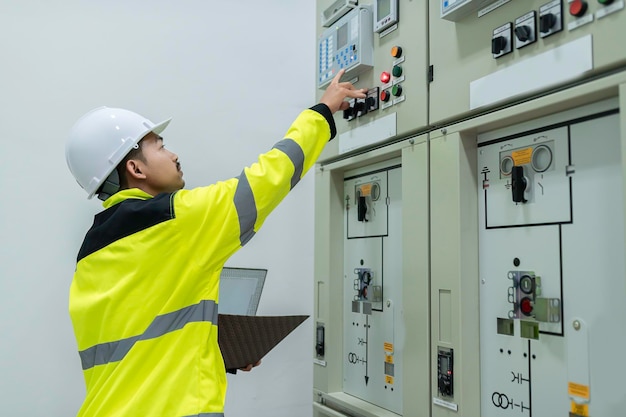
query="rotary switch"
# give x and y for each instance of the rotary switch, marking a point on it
(547, 22)
(578, 8)
(523, 33)
(498, 44)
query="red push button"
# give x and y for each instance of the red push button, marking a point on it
(385, 96)
(526, 306)
(578, 8)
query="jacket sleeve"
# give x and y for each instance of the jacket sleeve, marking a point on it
(226, 215)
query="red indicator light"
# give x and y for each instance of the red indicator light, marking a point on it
(578, 8)
(526, 306)
(385, 77)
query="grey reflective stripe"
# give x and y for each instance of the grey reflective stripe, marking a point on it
(205, 310)
(295, 153)
(246, 209)
(207, 415)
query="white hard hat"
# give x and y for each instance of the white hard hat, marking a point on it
(99, 141)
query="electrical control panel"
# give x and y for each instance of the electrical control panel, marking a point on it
(373, 354)
(396, 77)
(368, 290)
(509, 51)
(347, 45)
(498, 286)
(545, 283)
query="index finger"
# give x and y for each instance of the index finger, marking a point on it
(338, 76)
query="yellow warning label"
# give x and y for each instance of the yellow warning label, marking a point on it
(388, 347)
(522, 156)
(581, 410)
(388, 379)
(578, 390)
(366, 190)
(389, 358)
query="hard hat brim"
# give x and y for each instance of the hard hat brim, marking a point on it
(160, 127)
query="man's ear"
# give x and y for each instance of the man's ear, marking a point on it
(133, 169)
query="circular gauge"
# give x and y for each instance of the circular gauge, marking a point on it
(526, 284)
(506, 165)
(541, 158)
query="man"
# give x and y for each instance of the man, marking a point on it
(143, 301)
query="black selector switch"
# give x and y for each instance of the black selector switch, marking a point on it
(525, 29)
(523, 33)
(351, 112)
(445, 372)
(498, 44)
(518, 184)
(502, 40)
(360, 108)
(546, 22)
(551, 17)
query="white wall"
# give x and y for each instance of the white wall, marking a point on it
(233, 75)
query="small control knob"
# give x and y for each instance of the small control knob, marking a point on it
(445, 387)
(578, 8)
(385, 96)
(360, 108)
(350, 113)
(523, 33)
(397, 71)
(396, 51)
(547, 22)
(498, 44)
(370, 103)
(396, 90)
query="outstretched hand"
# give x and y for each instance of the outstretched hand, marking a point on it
(336, 93)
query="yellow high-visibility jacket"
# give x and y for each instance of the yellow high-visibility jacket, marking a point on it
(144, 297)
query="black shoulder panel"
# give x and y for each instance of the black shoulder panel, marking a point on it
(124, 219)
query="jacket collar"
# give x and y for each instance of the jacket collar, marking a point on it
(124, 195)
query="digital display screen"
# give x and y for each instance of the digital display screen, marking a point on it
(383, 8)
(342, 36)
(443, 361)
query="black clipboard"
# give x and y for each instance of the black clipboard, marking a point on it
(245, 340)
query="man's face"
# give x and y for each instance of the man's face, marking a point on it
(161, 167)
